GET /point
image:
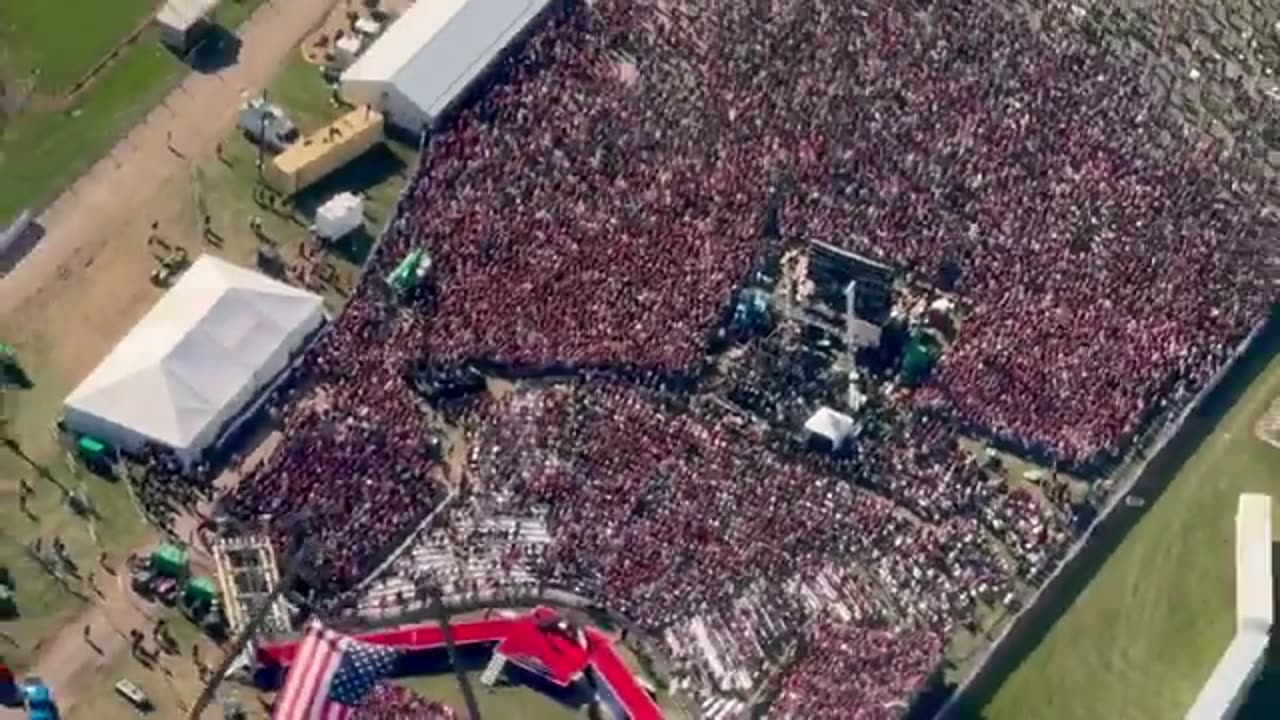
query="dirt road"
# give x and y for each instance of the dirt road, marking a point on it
(98, 218)
(122, 187)
(73, 656)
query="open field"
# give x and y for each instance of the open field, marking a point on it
(56, 43)
(41, 151)
(47, 602)
(61, 339)
(1140, 640)
(54, 139)
(227, 186)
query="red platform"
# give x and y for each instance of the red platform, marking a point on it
(537, 642)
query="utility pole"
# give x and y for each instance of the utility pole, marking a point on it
(446, 629)
(262, 135)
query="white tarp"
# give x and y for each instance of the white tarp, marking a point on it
(1239, 666)
(180, 15)
(343, 213)
(194, 360)
(429, 56)
(1255, 601)
(832, 425)
(1231, 679)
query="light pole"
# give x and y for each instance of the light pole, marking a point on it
(446, 629)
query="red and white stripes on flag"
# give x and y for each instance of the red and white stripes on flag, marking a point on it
(331, 675)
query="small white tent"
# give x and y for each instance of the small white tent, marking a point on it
(342, 213)
(182, 21)
(833, 427)
(195, 360)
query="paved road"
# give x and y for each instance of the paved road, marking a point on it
(84, 223)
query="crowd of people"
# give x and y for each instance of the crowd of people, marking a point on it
(852, 673)
(667, 511)
(354, 472)
(392, 702)
(162, 484)
(598, 206)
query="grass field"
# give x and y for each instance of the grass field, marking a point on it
(42, 151)
(1142, 637)
(60, 41)
(46, 146)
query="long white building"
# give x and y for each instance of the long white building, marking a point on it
(430, 56)
(1229, 684)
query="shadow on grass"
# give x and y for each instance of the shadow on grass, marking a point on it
(14, 377)
(218, 50)
(1032, 627)
(363, 174)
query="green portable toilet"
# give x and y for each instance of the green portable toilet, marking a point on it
(91, 447)
(200, 591)
(170, 560)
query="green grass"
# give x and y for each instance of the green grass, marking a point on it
(230, 13)
(61, 40)
(40, 152)
(1140, 640)
(228, 185)
(45, 603)
(301, 89)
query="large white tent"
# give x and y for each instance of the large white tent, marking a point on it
(430, 55)
(195, 360)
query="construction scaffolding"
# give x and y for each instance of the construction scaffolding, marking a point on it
(247, 575)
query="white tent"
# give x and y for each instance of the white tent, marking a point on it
(195, 360)
(430, 55)
(180, 20)
(835, 427)
(341, 214)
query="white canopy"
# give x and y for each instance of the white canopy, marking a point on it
(432, 53)
(180, 15)
(342, 213)
(195, 360)
(832, 425)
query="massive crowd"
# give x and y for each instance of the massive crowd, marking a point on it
(852, 673)
(591, 212)
(392, 702)
(354, 472)
(596, 208)
(668, 512)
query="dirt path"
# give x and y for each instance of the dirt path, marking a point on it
(97, 218)
(70, 658)
(129, 183)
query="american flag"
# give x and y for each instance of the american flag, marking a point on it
(330, 675)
